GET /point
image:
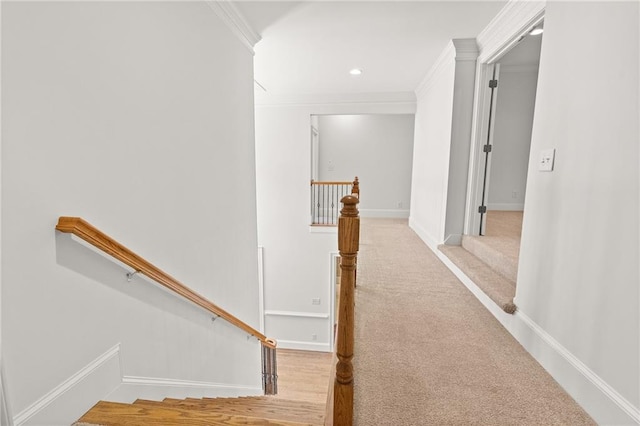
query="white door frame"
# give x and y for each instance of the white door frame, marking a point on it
(6, 417)
(503, 33)
(478, 160)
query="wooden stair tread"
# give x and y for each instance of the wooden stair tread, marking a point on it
(244, 401)
(263, 401)
(293, 412)
(119, 414)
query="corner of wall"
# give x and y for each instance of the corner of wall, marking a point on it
(439, 66)
(68, 401)
(101, 379)
(429, 240)
(231, 16)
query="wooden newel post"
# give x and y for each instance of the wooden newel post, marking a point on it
(348, 244)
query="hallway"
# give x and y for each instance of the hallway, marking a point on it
(428, 353)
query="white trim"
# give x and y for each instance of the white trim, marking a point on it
(405, 99)
(504, 30)
(332, 299)
(500, 35)
(512, 207)
(389, 213)
(504, 318)
(66, 386)
(466, 49)
(623, 404)
(303, 346)
(605, 402)
(453, 240)
(238, 25)
(261, 287)
(296, 314)
(323, 229)
(5, 415)
(6, 419)
(156, 381)
(431, 242)
(446, 58)
(461, 49)
(135, 387)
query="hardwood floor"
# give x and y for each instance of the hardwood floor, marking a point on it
(303, 375)
(263, 411)
(303, 381)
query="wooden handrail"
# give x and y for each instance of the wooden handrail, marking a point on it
(325, 200)
(84, 230)
(348, 245)
(316, 182)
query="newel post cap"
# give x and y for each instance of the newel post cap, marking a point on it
(350, 206)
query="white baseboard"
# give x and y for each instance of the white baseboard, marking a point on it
(304, 346)
(319, 229)
(385, 213)
(431, 242)
(296, 314)
(133, 387)
(68, 401)
(102, 379)
(6, 419)
(515, 207)
(597, 397)
(453, 240)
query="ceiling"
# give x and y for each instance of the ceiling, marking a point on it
(309, 47)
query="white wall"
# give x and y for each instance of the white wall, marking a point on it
(578, 277)
(512, 137)
(441, 145)
(376, 148)
(578, 282)
(297, 261)
(137, 117)
(431, 152)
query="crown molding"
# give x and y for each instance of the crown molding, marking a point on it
(445, 60)
(466, 49)
(238, 25)
(459, 49)
(516, 17)
(407, 99)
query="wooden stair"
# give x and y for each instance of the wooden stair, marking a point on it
(259, 410)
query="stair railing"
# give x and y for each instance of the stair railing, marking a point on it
(93, 236)
(325, 200)
(340, 399)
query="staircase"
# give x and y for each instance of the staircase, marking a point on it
(258, 410)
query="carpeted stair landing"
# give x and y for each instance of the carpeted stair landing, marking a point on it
(499, 288)
(491, 261)
(261, 410)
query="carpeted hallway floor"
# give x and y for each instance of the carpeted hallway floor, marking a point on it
(428, 353)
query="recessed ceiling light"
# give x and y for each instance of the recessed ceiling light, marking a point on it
(536, 31)
(355, 71)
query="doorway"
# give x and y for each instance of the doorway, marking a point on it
(504, 144)
(506, 152)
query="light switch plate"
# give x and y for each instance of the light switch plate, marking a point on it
(547, 158)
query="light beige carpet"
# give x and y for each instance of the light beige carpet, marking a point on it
(428, 353)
